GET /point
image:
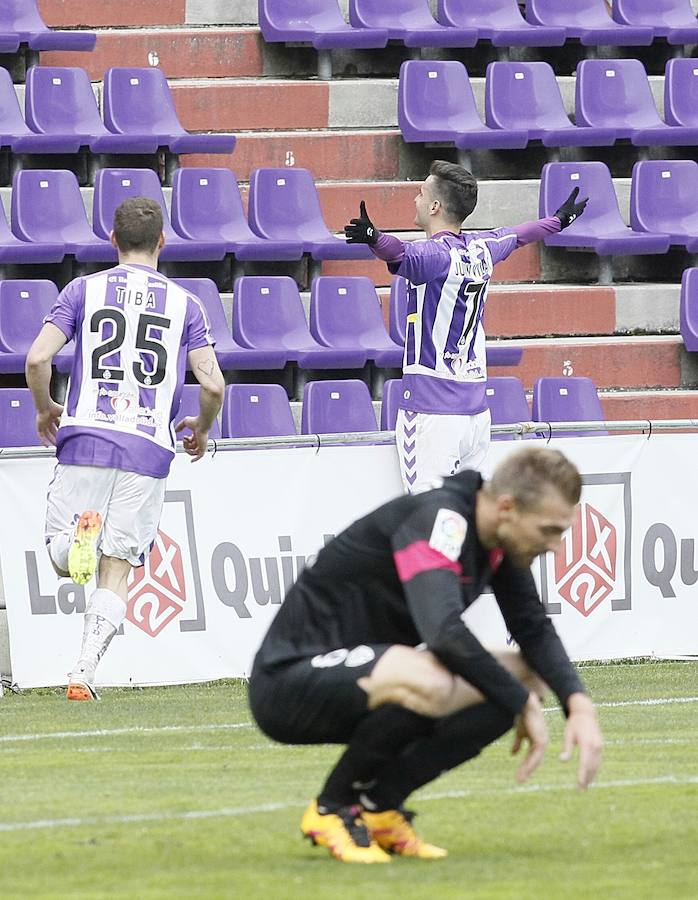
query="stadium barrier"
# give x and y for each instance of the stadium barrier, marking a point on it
(239, 525)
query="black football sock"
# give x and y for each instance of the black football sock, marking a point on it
(456, 738)
(379, 738)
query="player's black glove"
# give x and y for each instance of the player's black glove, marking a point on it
(569, 211)
(361, 230)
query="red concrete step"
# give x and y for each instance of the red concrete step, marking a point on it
(537, 311)
(652, 405)
(180, 52)
(126, 13)
(635, 362)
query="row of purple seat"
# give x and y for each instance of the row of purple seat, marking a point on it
(62, 115)
(613, 101)
(21, 23)
(461, 23)
(208, 220)
(335, 407)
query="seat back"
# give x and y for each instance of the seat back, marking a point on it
(345, 312)
(60, 100)
(602, 214)
(17, 418)
(581, 14)
(256, 410)
(47, 207)
(11, 119)
(284, 205)
(268, 313)
(23, 305)
(674, 13)
(435, 95)
(570, 399)
(688, 308)
(113, 186)
(189, 406)
(474, 13)
(681, 92)
(207, 206)
(335, 407)
(612, 93)
(506, 399)
(392, 391)
(21, 15)
(523, 95)
(664, 196)
(391, 14)
(139, 101)
(207, 293)
(295, 15)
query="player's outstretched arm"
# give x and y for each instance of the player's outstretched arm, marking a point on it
(361, 230)
(582, 730)
(204, 365)
(571, 209)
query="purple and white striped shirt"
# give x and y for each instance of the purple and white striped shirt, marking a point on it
(133, 329)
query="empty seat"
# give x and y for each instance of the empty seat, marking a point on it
(318, 21)
(256, 410)
(526, 96)
(397, 316)
(664, 199)
(587, 20)
(500, 22)
(284, 206)
(23, 305)
(436, 103)
(601, 228)
(688, 309)
(268, 315)
(615, 93)
(113, 186)
(392, 389)
(48, 211)
(230, 355)
(189, 406)
(21, 23)
(506, 399)
(17, 418)
(207, 206)
(681, 92)
(14, 250)
(139, 102)
(571, 399)
(409, 21)
(336, 407)
(674, 20)
(345, 312)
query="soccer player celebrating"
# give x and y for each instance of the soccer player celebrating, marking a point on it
(134, 333)
(370, 650)
(443, 421)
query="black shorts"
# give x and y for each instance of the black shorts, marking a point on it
(314, 700)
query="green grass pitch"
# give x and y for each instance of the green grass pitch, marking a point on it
(171, 792)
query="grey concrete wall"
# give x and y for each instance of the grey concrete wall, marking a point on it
(647, 307)
(221, 12)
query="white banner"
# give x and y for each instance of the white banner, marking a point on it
(237, 528)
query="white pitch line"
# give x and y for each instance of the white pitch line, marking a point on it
(108, 732)
(610, 704)
(231, 812)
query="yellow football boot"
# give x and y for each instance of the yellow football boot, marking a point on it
(393, 831)
(343, 833)
(82, 556)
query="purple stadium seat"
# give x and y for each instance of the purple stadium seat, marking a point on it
(587, 20)
(409, 21)
(506, 398)
(139, 102)
(500, 22)
(571, 399)
(681, 92)
(436, 103)
(59, 103)
(688, 309)
(268, 315)
(113, 186)
(392, 389)
(189, 406)
(320, 22)
(335, 407)
(601, 228)
(526, 96)
(674, 20)
(229, 354)
(14, 250)
(664, 198)
(47, 210)
(397, 317)
(284, 206)
(256, 410)
(616, 93)
(345, 312)
(17, 418)
(23, 305)
(21, 23)
(207, 206)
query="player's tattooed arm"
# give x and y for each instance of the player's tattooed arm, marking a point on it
(206, 367)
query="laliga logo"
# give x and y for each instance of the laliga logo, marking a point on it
(156, 592)
(585, 564)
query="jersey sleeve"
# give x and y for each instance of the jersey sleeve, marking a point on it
(533, 631)
(423, 261)
(501, 242)
(197, 331)
(65, 312)
(427, 549)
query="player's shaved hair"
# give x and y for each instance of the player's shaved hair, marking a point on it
(138, 224)
(526, 475)
(455, 189)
